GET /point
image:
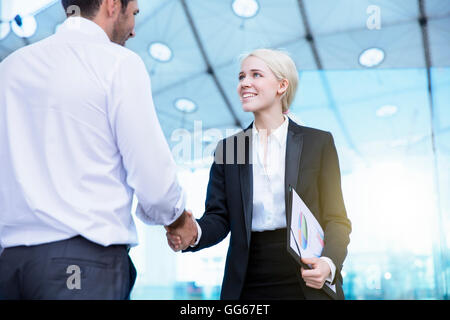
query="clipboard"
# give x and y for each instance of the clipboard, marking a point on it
(308, 232)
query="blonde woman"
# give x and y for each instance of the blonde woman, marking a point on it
(248, 192)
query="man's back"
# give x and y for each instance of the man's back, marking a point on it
(63, 173)
(79, 136)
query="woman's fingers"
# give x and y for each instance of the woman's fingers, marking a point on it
(174, 241)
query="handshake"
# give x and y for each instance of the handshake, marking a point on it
(182, 233)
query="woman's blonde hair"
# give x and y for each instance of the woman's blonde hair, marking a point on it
(283, 67)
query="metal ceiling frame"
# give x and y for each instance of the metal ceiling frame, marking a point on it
(440, 258)
(325, 83)
(209, 68)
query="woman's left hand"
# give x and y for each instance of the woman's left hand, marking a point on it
(315, 277)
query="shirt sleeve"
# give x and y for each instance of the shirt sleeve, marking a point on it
(330, 277)
(146, 157)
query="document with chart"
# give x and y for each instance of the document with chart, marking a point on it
(306, 238)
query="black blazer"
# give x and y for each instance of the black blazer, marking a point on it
(312, 167)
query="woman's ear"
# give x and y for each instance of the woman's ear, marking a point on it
(283, 86)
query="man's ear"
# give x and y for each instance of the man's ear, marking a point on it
(112, 7)
(283, 86)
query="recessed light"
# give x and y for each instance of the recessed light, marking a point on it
(386, 111)
(5, 28)
(371, 57)
(160, 52)
(245, 8)
(24, 27)
(185, 105)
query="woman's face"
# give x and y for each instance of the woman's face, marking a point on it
(258, 87)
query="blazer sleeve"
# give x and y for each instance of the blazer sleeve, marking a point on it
(215, 222)
(337, 226)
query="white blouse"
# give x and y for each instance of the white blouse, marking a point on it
(268, 178)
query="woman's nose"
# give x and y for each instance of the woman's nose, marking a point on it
(245, 82)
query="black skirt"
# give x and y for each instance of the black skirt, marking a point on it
(272, 273)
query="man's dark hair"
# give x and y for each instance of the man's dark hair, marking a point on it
(88, 8)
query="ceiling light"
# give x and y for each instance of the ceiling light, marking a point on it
(160, 52)
(245, 8)
(185, 105)
(387, 111)
(24, 27)
(371, 57)
(5, 28)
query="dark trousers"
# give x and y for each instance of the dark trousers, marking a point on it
(73, 269)
(272, 274)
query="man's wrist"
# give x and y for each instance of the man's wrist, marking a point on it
(180, 221)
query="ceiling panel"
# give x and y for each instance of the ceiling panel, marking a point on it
(212, 111)
(167, 24)
(402, 45)
(439, 39)
(300, 51)
(330, 16)
(225, 35)
(437, 8)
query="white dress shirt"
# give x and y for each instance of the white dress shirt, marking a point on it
(79, 136)
(269, 206)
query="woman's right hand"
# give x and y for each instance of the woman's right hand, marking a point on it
(174, 241)
(181, 235)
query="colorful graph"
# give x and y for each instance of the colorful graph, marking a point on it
(303, 231)
(320, 238)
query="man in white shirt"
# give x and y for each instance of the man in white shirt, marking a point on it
(79, 136)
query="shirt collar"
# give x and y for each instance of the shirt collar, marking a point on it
(85, 26)
(279, 134)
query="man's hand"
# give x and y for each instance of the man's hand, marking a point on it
(182, 233)
(315, 277)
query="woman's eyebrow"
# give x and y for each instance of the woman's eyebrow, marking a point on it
(253, 70)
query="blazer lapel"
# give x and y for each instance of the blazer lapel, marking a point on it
(246, 180)
(294, 146)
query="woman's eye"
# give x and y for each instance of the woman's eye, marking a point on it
(257, 75)
(241, 77)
